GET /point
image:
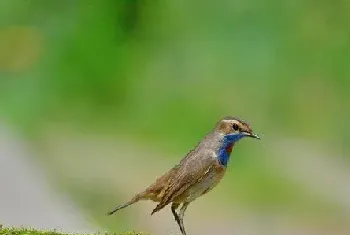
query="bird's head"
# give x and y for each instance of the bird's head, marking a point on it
(234, 129)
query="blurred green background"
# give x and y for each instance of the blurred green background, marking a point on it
(111, 94)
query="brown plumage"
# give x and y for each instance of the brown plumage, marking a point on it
(197, 173)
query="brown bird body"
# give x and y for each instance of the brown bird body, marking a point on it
(197, 173)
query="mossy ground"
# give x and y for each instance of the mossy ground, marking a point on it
(24, 231)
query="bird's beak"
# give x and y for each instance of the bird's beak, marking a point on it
(251, 134)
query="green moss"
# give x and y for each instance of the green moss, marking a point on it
(24, 231)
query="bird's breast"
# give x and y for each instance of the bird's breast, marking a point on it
(209, 180)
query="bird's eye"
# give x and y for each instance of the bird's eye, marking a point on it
(235, 127)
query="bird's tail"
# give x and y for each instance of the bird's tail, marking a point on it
(121, 206)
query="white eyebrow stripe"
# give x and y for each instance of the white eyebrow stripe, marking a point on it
(232, 121)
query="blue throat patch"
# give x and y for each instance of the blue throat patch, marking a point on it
(223, 154)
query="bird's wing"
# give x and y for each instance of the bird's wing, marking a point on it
(191, 171)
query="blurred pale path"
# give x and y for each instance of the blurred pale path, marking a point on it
(320, 171)
(26, 198)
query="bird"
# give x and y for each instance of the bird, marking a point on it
(198, 172)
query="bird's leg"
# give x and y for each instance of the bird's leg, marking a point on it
(174, 206)
(181, 216)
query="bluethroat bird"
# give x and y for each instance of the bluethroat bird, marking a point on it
(197, 173)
